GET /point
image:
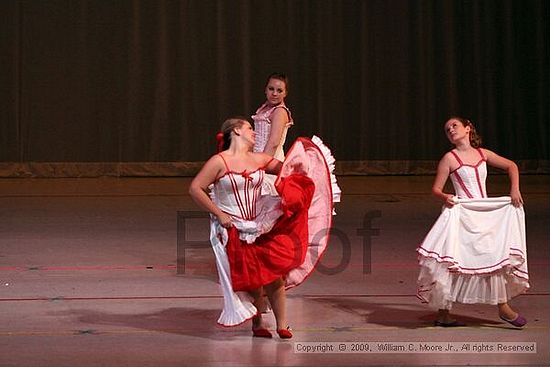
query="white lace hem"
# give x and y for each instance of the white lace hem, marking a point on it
(329, 159)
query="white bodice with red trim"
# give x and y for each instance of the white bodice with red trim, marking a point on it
(239, 194)
(469, 180)
(262, 127)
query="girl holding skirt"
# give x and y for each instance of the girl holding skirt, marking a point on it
(476, 251)
(264, 243)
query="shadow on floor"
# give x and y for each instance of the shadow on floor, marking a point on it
(401, 315)
(177, 320)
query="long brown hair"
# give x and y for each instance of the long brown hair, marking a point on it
(475, 138)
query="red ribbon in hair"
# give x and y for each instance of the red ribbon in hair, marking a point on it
(219, 139)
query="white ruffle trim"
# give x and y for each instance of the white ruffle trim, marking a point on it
(270, 211)
(440, 288)
(329, 158)
(236, 312)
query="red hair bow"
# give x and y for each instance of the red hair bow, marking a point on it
(219, 139)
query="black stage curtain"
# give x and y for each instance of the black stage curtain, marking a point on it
(151, 80)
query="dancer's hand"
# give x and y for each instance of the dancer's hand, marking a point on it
(450, 201)
(225, 220)
(517, 200)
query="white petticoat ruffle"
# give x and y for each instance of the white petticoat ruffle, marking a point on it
(475, 253)
(268, 187)
(330, 160)
(270, 210)
(449, 287)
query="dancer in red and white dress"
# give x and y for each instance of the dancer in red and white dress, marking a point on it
(265, 242)
(476, 251)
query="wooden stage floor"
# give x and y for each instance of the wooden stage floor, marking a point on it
(91, 275)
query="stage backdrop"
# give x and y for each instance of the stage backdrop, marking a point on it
(92, 87)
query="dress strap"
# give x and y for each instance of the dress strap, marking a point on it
(266, 111)
(290, 120)
(481, 154)
(267, 164)
(457, 158)
(224, 162)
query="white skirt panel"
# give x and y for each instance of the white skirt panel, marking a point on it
(475, 253)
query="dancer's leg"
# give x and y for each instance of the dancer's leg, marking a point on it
(257, 322)
(444, 316)
(504, 310)
(509, 315)
(277, 297)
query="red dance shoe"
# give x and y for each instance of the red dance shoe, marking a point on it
(284, 333)
(261, 333)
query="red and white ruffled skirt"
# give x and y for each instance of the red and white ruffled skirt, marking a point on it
(292, 236)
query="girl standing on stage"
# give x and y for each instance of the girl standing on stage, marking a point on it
(264, 241)
(476, 251)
